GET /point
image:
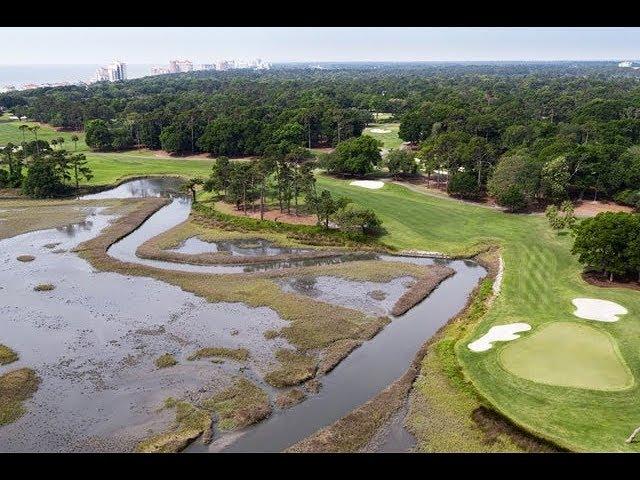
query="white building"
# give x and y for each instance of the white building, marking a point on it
(179, 66)
(625, 64)
(116, 72)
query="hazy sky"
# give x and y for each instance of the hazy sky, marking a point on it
(93, 45)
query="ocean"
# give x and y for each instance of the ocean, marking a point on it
(19, 75)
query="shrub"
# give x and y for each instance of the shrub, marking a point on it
(512, 198)
(354, 218)
(629, 197)
(44, 179)
(463, 184)
(401, 162)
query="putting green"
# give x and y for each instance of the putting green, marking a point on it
(568, 355)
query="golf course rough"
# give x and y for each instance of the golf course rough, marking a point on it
(568, 354)
(599, 310)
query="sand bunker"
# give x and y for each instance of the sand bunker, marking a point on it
(373, 184)
(500, 333)
(379, 130)
(600, 310)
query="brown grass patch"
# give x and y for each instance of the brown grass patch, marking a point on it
(290, 398)
(335, 353)
(495, 425)
(270, 214)
(313, 386)
(44, 287)
(435, 274)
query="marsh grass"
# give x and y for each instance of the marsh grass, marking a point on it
(16, 387)
(190, 423)
(335, 353)
(166, 360)
(290, 398)
(422, 288)
(313, 324)
(237, 354)
(159, 247)
(44, 287)
(7, 355)
(294, 369)
(28, 215)
(240, 405)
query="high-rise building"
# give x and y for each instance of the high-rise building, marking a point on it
(102, 75)
(179, 66)
(117, 71)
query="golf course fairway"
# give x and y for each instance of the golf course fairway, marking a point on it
(541, 278)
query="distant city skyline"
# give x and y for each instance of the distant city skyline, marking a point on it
(155, 45)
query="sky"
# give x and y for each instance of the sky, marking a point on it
(157, 45)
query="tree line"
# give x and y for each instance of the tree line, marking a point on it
(51, 171)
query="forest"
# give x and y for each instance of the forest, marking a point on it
(525, 134)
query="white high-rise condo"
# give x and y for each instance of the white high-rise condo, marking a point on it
(117, 71)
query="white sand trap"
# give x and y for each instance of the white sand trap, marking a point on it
(600, 310)
(372, 184)
(500, 333)
(379, 130)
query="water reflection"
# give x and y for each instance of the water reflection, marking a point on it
(246, 247)
(74, 229)
(311, 262)
(143, 187)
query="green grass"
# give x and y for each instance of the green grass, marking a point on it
(9, 132)
(568, 354)
(541, 278)
(110, 167)
(389, 140)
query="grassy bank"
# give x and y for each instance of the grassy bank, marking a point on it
(540, 280)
